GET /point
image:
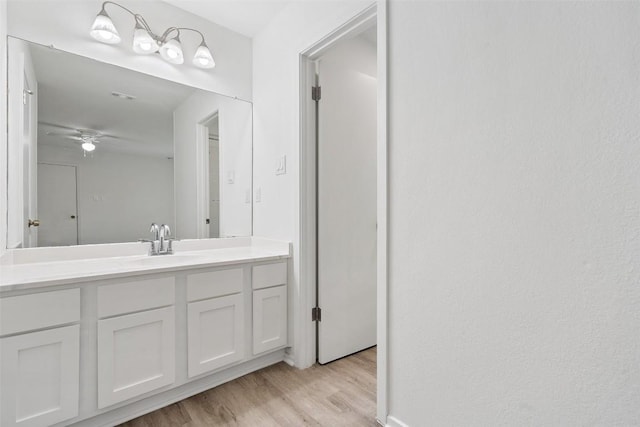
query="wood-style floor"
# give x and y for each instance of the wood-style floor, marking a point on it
(341, 393)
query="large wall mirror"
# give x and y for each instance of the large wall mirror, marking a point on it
(98, 152)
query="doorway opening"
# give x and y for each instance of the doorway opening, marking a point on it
(347, 173)
(345, 100)
(213, 128)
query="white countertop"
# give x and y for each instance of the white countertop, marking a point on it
(55, 266)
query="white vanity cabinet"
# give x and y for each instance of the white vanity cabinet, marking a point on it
(129, 335)
(39, 375)
(269, 306)
(215, 320)
(136, 344)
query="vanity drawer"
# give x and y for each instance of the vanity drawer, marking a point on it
(214, 284)
(36, 311)
(129, 297)
(265, 276)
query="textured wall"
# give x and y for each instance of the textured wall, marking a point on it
(515, 213)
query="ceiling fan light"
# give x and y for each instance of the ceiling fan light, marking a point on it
(171, 51)
(103, 29)
(203, 57)
(143, 43)
(88, 146)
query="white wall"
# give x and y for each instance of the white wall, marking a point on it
(515, 213)
(119, 194)
(3, 127)
(66, 24)
(235, 157)
(276, 95)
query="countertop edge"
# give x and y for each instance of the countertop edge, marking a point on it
(133, 272)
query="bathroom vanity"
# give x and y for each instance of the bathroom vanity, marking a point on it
(99, 334)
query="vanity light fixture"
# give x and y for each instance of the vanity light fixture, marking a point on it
(146, 42)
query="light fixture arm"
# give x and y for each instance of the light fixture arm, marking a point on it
(104, 4)
(165, 36)
(195, 31)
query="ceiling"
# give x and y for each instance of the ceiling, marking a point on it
(246, 17)
(76, 92)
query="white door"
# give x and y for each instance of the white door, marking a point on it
(214, 185)
(22, 103)
(136, 354)
(30, 157)
(57, 201)
(347, 199)
(40, 377)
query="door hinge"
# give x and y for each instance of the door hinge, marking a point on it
(26, 92)
(316, 93)
(316, 314)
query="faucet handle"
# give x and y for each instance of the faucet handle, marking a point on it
(165, 230)
(170, 245)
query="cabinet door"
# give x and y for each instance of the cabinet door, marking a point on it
(269, 318)
(136, 354)
(40, 380)
(216, 333)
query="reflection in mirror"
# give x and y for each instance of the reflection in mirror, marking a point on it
(214, 176)
(98, 152)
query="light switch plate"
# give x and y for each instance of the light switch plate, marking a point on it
(231, 177)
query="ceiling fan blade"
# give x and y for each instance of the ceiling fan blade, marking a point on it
(65, 136)
(61, 133)
(53, 125)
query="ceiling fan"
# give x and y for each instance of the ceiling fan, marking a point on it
(88, 138)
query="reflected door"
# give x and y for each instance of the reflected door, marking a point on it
(214, 187)
(22, 109)
(57, 201)
(214, 176)
(29, 157)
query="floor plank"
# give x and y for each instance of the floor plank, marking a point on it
(341, 393)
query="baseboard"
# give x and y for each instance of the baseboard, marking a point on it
(160, 400)
(394, 422)
(289, 358)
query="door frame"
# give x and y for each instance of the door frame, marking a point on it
(202, 173)
(376, 13)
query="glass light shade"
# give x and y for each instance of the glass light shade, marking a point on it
(88, 146)
(171, 51)
(203, 58)
(103, 29)
(143, 43)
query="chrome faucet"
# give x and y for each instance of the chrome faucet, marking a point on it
(165, 241)
(160, 242)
